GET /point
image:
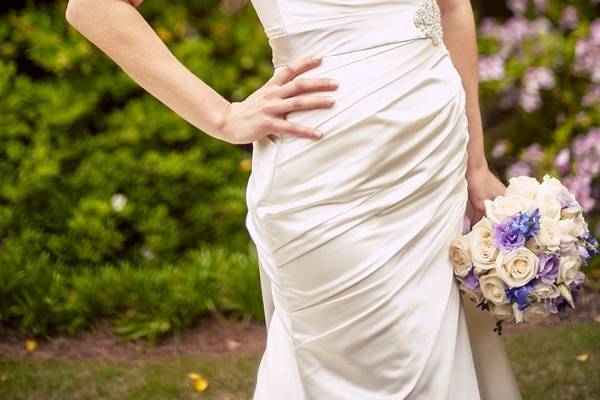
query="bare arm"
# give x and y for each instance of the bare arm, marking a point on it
(121, 32)
(460, 39)
(458, 23)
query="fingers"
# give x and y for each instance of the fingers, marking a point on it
(302, 85)
(300, 103)
(280, 125)
(290, 71)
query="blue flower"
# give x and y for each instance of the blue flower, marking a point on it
(520, 295)
(528, 224)
(591, 244)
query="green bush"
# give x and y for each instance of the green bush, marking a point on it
(140, 301)
(111, 205)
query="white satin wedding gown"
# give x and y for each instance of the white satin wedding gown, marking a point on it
(352, 230)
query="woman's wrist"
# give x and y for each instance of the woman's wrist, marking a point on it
(220, 124)
(476, 165)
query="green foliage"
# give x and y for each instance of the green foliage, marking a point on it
(140, 301)
(111, 205)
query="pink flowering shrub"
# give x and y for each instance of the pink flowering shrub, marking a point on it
(539, 73)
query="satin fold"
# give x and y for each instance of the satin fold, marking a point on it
(352, 230)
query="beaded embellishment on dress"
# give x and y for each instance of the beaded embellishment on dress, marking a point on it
(428, 19)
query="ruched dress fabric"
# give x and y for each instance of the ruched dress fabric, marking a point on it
(352, 230)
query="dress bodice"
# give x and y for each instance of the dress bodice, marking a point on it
(296, 28)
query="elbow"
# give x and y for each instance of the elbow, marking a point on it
(81, 12)
(75, 12)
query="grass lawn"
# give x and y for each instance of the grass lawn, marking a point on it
(544, 361)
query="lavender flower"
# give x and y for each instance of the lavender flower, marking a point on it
(561, 161)
(540, 5)
(587, 53)
(578, 280)
(489, 27)
(512, 233)
(592, 96)
(548, 269)
(530, 101)
(534, 154)
(517, 6)
(569, 17)
(519, 168)
(491, 68)
(580, 186)
(471, 280)
(507, 237)
(514, 31)
(499, 148)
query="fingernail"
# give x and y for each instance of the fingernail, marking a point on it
(334, 83)
(318, 134)
(317, 58)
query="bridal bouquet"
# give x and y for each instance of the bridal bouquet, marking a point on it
(522, 260)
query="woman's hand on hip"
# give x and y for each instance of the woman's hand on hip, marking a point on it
(482, 185)
(263, 112)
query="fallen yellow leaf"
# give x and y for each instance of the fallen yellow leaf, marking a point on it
(194, 376)
(3, 377)
(583, 357)
(30, 345)
(200, 384)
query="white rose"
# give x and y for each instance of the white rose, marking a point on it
(503, 207)
(544, 290)
(481, 243)
(567, 268)
(534, 244)
(493, 288)
(569, 229)
(524, 186)
(535, 312)
(553, 187)
(549, 234)
(503, 312)
(549, 206)
(460, 255)
(472, 295)
(580, 226)
(571, 212)
(517, 267)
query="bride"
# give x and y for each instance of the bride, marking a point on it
(367, 153)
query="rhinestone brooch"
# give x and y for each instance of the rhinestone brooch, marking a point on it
(429, 20)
